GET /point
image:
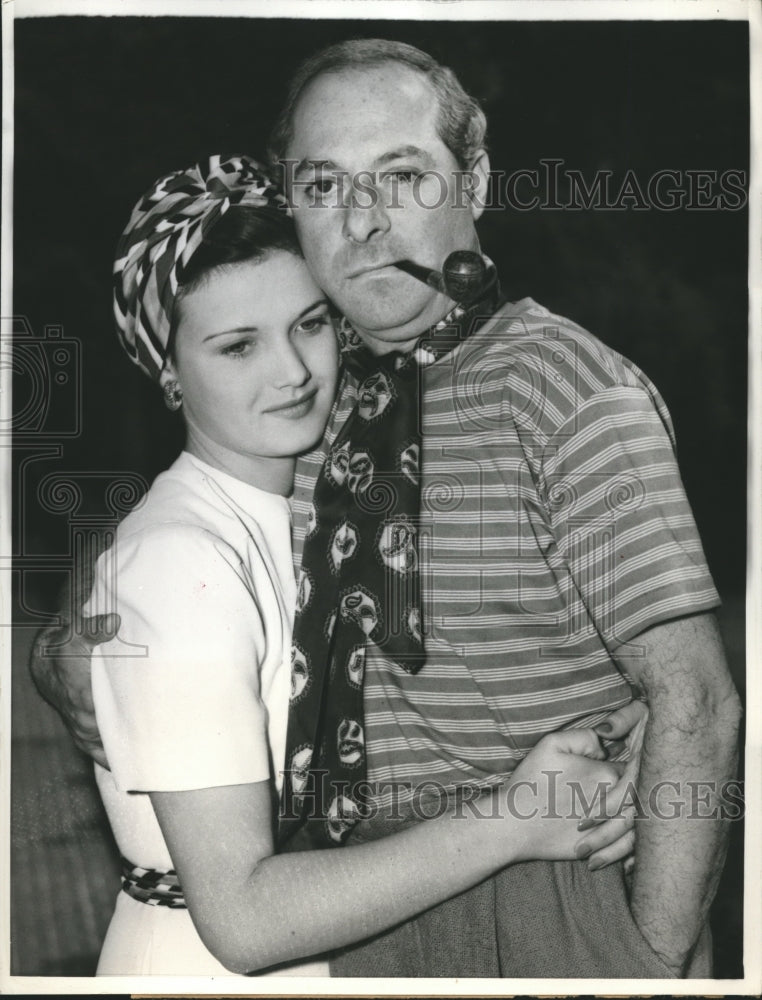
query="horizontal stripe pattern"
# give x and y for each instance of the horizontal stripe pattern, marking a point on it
(554, 528)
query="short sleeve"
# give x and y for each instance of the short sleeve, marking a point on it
(620, 516)
(177, 694)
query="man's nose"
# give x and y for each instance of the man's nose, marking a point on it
(365, 214)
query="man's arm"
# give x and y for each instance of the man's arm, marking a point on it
(60, 668)
(690, 740)
(59, 661)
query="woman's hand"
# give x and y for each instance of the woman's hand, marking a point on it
(613, 838)
(563, 778)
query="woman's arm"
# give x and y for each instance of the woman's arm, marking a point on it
(186, 722)
(254, 909)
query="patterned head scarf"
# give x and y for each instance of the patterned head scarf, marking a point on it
(166, 228)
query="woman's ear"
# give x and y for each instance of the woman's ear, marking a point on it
(168, 374)
(170, 386)
(479, 186)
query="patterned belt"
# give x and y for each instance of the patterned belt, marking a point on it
(156, 888)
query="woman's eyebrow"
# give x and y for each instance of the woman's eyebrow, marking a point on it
(255, 329)
(318, 302)
(235, 329)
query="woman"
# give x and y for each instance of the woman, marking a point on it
(214, 301)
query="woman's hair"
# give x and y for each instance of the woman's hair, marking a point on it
(243, 233)
(461, 123)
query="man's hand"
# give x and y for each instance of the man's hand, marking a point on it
(61, 671)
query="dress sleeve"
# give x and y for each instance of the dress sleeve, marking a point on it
(620, 516)
(177, 693)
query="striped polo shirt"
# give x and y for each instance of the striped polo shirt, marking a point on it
(554, 529)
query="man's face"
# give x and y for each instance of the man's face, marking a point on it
(369, 166)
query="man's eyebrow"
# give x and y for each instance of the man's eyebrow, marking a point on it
(309, 166)
(405, 151)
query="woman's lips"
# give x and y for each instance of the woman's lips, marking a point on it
(295, 409)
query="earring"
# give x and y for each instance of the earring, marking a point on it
(173, 395)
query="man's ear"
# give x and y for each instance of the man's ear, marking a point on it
(479, 187)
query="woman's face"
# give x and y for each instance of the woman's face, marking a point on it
(256, 357)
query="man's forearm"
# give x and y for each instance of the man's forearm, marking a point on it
(60, 662)
(689, 754)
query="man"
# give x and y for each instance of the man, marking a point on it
(559, 560)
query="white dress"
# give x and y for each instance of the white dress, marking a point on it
(194, 691)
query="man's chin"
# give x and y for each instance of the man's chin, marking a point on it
(386, 323)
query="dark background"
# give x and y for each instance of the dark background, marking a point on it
(105, 105)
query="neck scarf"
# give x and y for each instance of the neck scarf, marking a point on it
(360, 574)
